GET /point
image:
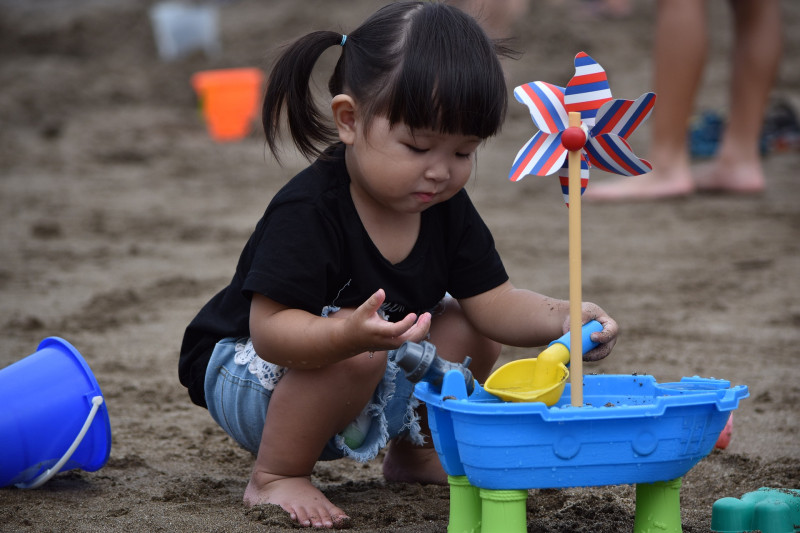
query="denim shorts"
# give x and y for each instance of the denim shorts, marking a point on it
(239, 384)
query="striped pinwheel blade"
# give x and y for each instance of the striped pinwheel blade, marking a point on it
(546, 104)
(622, 117)
(542, 155)
(588, 89)
(607, 123)
(612, 153)
(563, 178)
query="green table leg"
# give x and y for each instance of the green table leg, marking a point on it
(465, 506)
(504, 511)
(658, 507)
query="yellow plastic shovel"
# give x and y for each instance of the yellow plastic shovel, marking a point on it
(541, 379)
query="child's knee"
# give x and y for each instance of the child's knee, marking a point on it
(456, 338)
(365, 369)
(485, 354)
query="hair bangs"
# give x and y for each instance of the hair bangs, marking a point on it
(449, 78)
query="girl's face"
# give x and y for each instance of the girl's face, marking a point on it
(408, 171)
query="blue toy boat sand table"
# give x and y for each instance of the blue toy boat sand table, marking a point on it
(630, 430)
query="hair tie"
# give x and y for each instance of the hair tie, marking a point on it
(344, 38)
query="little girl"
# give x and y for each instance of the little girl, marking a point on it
(361, 252)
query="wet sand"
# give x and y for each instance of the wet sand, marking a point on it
(121, 217)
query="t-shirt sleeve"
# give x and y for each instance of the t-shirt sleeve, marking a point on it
(294, 254)
(476, 266)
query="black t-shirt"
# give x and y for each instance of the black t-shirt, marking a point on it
(310, 250)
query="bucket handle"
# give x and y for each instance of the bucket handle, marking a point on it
(41, 479)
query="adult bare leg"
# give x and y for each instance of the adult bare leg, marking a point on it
(756, 56)
(681, 47)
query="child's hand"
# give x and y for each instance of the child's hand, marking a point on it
(607, 337)
(374, 333)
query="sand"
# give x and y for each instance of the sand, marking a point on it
(121, 217)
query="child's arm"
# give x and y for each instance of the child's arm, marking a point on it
(519, 317)
(298, 339)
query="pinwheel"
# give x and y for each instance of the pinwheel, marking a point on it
(601, 136)
(581, 120)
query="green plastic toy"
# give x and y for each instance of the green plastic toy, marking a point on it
(767, 510)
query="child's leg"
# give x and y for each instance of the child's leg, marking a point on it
(756, 54)
(307, 408)
(454, 338)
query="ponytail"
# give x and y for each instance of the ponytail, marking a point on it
(422, 64)
(289, 87)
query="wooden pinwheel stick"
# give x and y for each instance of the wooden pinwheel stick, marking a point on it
(575, 296)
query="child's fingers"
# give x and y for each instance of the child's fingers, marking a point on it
(607, 338)
(402, 329)
(601, 352)
(374, 302)
(411, 328)
(419, 330)
(391, 335)
(608, 333)
(589, 312)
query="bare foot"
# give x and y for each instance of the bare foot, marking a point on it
(647, 187)
(406, 463)
(304, 502)
(728, 177)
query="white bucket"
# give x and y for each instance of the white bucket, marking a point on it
(182, 28)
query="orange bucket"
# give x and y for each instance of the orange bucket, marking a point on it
(229, 99)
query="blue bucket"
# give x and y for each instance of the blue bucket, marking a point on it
(52, 416)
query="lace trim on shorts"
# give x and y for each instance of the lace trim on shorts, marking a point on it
(268, 374)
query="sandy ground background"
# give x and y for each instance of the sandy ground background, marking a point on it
(120, 217)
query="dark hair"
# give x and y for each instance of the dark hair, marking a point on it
(425, 64)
